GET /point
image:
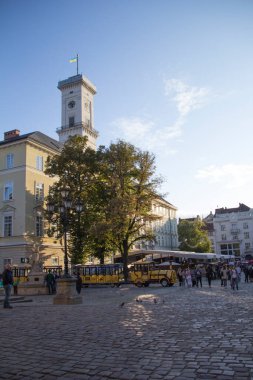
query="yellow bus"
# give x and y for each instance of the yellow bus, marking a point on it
(143, 274)
(21, 274)
(107, 274)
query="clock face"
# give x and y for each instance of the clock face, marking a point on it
(71, 104)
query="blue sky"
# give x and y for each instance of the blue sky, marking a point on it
(173, 77)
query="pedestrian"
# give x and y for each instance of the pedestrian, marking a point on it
(7, 284)
(234, 278)
(180, 276)
(15, 286)
(188, 278)
(250, 273)
(224, 276)
(246, 274)
(193, 276)
(50, 282)
(78, 283)
(238, 271)
(199, 277)
(209, 275)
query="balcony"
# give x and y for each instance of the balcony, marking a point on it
(86, 126)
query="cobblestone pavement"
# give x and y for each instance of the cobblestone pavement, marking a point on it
(171, 333)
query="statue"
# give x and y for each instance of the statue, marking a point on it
(36, 260)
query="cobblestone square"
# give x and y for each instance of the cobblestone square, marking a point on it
(169, 333)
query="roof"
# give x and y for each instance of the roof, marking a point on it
(38, 137)
(77, 79)
(242, 208)
(162, 200)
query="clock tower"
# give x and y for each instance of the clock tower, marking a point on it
(77, 109)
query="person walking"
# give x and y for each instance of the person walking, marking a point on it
(180, 276)
(188, 278)
(234, 278)
(224, 276)
(7, 284)
(199, 277)
(246, 274)
(209, 275)
(78, 283)
(238, 271)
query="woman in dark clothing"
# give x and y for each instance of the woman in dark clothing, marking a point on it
(209, 275)
(78, 283)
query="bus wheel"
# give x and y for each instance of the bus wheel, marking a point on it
(139, 284)
(164, 282)
(146, 284)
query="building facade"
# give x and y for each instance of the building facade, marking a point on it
(23, 186)
(164, 227)
(232, 230)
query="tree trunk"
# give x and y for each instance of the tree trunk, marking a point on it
(125, 260)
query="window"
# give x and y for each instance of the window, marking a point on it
(54, 261)
(9, 160)
(223, 227)
(234, 226)
(39, 225)
(246, 235)
(39, 163)
(245, 226)
(247, 246)
(230, 249)
(8, 191)
(71, 121)
(24, 260)
(8, 226)
(223, 237)
(7, 261)
(39, 191)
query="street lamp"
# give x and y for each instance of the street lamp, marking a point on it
(64, 210)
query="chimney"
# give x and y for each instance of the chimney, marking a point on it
(11, 134)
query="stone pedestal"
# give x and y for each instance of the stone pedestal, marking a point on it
(34, 286)
(66, 292)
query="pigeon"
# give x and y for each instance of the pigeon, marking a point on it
(138, 300)
(122, 304)
(155, 300)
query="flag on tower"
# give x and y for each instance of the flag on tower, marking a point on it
(72, 60)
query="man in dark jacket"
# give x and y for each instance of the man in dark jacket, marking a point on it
(7, 284)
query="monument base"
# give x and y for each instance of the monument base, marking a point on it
(26, 289)
(66, 292)
(34, 286)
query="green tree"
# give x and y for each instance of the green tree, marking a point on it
(129, 185)
(193, 236)
(75, 169)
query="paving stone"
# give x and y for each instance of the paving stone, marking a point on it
(97, 340)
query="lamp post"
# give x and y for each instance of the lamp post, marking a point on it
(66, 289)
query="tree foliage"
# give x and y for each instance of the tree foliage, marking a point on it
(75, 169)
(193, 236)
(116, 187)
(129, 187)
